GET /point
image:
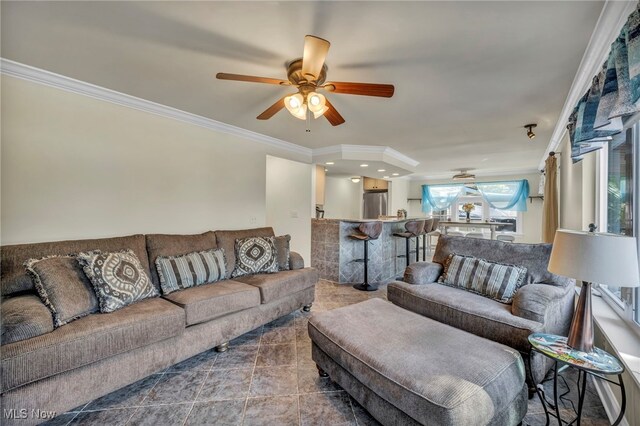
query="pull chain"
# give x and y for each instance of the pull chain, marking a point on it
(308, 121)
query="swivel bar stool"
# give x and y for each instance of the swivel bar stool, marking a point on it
(413, 228)
(366, 232)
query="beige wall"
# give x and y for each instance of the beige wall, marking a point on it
(577, 189)
(76, 167)
(288, 202)
(398, 194)
(532, 218)
(343, 198)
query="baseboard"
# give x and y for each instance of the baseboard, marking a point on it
(609, 401)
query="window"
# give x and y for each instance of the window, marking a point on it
(619, 191)
(512, 220)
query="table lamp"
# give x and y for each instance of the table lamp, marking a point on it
(592, 258)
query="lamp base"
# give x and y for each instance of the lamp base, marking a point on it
(581, 331)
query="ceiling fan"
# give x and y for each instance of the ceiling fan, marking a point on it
(464, 175)
(308, 75)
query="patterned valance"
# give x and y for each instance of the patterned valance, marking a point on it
(502, 195)
(614, 94)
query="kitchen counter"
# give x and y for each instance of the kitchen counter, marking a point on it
(335, 255)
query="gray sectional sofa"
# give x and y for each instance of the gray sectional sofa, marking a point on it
(59, 369)
(544, 303)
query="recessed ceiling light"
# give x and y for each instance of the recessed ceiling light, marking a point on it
(381, 170)
(364, 165)
(385, 177)
(329, 163)
(326, 170)
(396, 174)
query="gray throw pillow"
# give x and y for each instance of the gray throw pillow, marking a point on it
(62, 287)
(118, 278)
(493, 280)
(255, 255)
(283, 252)
(180, 272)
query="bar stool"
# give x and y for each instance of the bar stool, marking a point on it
(435, 232)
(414, 229)
(366, 232)
(428, 227)
(506, 238)
(475, 235)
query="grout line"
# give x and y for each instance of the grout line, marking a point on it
(204, 382)
(255, 362)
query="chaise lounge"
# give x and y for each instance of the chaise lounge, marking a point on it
(544, 303)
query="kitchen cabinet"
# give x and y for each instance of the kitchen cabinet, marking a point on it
(371, 184)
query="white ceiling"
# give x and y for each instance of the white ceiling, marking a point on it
(468, 75)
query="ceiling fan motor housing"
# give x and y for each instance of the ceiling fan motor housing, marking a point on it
(295, 76)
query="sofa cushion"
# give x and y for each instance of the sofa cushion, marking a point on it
(176, 245)
(63, 287)
(227, 241)
(88, 340)
(493, 280)
(118, 278)
(534, 257)
(422, 367)
(15, 278)
(255, 255)
(190, 270)
(275, 286)
(24, 317)
(209, 301)
(467, 311)
(283, 252)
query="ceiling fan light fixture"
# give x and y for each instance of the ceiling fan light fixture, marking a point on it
(295, 105)
(320, 113)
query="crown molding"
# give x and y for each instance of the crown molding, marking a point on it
(47, 78)
(613, 16)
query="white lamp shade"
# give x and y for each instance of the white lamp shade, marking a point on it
(596, 258)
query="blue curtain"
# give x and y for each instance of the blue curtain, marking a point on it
(507, 195)
(440, 197)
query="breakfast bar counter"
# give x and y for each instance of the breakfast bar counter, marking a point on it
(335, 255)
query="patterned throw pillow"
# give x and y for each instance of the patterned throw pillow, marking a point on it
(283, 252)
(494, 280)
(118, 278)
(62, 287)
(254, 255)
(180, 272)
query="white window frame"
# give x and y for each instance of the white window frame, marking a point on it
(627, 311)
(486, 211)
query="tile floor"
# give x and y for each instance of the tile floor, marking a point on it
(266, 378)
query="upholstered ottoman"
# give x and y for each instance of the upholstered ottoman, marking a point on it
(406, 369)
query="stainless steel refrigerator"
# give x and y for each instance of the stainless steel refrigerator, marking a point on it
(374, 205)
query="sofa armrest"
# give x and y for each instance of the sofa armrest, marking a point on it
(548, 304)
(422, 273)
(295, 261)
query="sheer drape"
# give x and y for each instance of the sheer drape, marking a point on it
(505, 195)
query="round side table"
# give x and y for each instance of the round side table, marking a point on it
(598, 363)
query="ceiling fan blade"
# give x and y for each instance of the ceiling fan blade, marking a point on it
(272, 110)
(333, 115)
(313, 56)
(364, 89)
(251, 79)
